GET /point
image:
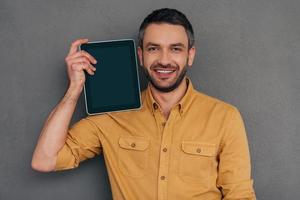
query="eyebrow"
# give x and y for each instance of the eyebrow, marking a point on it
(155, 44)
(178, 44)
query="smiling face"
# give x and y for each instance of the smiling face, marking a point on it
(165, 56)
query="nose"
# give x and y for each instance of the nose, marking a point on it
(164, 58)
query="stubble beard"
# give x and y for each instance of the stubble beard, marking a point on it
(168, 88)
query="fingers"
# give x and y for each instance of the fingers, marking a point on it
(81, 63)
(81, 60)
(82, 66)
(83, 53)
(76, 44)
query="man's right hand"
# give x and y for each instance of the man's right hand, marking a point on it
(54, 133)
(77, 61)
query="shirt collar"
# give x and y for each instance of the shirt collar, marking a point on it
(183, 104)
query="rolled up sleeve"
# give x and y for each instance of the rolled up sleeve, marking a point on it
(82, 142)
(234, 176)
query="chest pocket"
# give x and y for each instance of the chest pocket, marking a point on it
(133, 155)
(196, 161)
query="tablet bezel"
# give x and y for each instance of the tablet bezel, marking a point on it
(137, 74)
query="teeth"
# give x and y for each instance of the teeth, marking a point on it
(164, 71)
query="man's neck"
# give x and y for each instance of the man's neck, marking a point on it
(168, 100)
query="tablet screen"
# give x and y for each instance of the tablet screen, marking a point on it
(115, 84)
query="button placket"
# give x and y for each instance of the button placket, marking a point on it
(165, 156)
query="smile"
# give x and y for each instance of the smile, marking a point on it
(164, 71)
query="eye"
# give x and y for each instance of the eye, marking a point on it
(152, 49)
(176, 49)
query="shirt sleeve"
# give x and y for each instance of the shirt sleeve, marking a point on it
(234, 176)
(82, 142)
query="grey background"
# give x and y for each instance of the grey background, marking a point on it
(248, 55)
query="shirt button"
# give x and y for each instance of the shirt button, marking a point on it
(162, 177)
(198, 150)
(132, 145)
(165, 149)
(155, 106)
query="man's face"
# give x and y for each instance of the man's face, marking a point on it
(165, 56)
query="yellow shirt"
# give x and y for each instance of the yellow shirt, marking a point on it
(201, 152)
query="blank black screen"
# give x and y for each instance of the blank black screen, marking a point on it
(115, 84)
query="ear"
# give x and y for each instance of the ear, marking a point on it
(192, 53)
(140, 54)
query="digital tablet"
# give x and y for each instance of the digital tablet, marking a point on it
(115, 85)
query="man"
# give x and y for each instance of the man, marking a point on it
(182, 144)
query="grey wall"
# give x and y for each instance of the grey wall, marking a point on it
(248, 55)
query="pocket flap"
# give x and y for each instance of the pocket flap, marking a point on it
(196, 148)
(134, 143)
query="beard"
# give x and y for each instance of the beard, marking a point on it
(169, 88)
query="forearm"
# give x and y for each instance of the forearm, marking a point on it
(54, 132)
